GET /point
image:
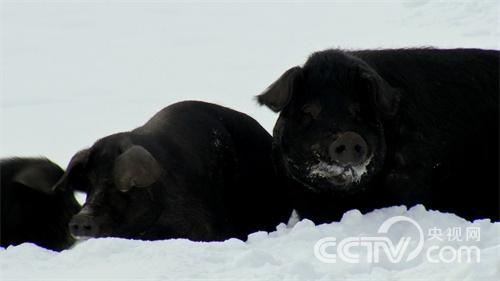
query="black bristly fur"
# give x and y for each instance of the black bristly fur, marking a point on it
(430, 116)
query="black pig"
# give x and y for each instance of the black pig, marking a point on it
(374, 128)
(195, 170)
(31, 210)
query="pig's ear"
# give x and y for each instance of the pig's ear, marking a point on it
(77, 162)
(135, 167)
(384, 96)
(277, 96)
(39, 177)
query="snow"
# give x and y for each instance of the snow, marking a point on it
(327, 171)
(74, 71)
(285, 254)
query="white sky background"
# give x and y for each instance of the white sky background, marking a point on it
(76, 71)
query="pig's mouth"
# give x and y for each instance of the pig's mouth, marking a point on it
(341, 176)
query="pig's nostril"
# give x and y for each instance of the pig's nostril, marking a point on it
(83, 225)
(340, 149)
(358, 148)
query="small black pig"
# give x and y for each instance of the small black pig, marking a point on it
(31, 210)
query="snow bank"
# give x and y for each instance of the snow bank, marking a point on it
(285, 254)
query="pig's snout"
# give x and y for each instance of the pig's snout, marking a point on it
(349, 149)
(83, 225)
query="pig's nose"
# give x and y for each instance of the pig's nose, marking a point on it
(348, 149)
(83, 225)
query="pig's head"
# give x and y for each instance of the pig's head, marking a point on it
(123, 184)
(330, 132)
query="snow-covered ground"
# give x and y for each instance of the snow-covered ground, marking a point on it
(74, 71)
(286, 254)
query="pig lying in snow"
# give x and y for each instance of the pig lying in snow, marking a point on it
(31, 210)
(375, 128)
(195, 170)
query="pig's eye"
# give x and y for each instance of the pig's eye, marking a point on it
(361, 113)
(309, 112)
(312, 110)
(78, 181)
(354, 110)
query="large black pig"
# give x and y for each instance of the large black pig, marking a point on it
(195, 170)
(31, 210)
(374, 128)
